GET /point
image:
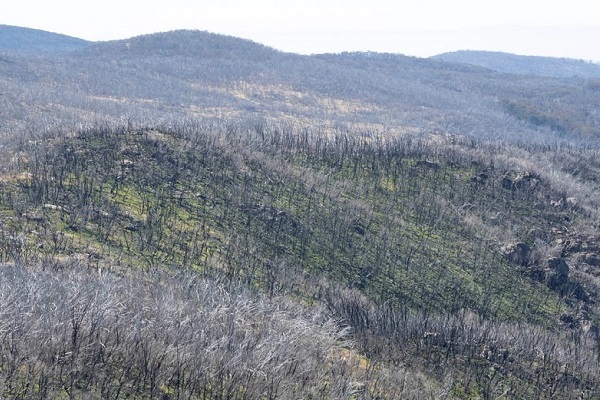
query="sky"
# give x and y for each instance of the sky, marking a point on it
(413, 27)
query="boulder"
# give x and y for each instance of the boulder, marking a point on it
(428, 164)
(558, 265)
(572, 202)
(34, 216)
(526, 181)
(557, 273)
(507, 183)
(520, 181)
(592, 259)
(517, 253)
(127, 164)
(480, 178)
(573, 247)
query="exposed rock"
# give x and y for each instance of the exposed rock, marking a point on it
(434, 339)
(130, 151)
(480, 178)
(569, 320)
(34, 216)
(572, 202)
(538, 274)
(359, 228)
(526, 180)
(557, 282)
(592, 259)
(539, 234)
(428, 164)
(557, 203)
(55, 207)
(127, 164)
(518, 253)
(555, 275)
(577, 291)
(102, 213)
(558, 265)
(132, 227)
(507, 183)
(520, 181)
(573, 247)
(564, 203)
(590, 245)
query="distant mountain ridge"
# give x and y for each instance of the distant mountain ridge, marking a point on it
(185, 43)
(524, 65)
(195, 73)
(13, 38)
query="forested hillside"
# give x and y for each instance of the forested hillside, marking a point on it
(183, 74)
(525, 65)
(16, 39)
(185, 215)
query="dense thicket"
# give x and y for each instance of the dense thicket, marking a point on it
(74, 334)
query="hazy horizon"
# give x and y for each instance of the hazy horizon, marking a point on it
(414, 27)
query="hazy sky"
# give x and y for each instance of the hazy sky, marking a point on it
(414, 27)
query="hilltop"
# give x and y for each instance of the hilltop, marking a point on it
(184, 43)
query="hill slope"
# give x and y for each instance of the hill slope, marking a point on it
(186, 74)
(524, 65)
(189, 215)
(429, 251)
(184, 43)
(13, 38)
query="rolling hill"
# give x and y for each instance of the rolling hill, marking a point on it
(525, 65)
(25, 40)
(190, 215)
(197, 74)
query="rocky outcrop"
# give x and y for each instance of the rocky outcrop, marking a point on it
(517, 253)
(520, 181)
(564, 203)
(557, 273)
(428, 164)
(591, 259)
(480, 179)
(554, 273)
(583, 250)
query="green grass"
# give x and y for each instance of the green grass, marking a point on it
(386, 226)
